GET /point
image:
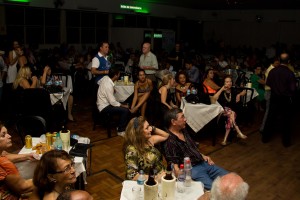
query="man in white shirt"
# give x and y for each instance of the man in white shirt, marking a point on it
(107, 103)
(148, 62)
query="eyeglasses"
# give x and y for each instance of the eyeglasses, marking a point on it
(67, 169)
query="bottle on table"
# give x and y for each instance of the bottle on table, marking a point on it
(168, 175)
(141, 178)
(151, 177)
(188, 92)
(188, 172)
(58, 142)
(181, 180)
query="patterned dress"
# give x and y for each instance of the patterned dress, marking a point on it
(135, 162)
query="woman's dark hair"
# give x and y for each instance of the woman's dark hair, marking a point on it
(207, 71)
(48, 165)
(179, 73)
(1, 125)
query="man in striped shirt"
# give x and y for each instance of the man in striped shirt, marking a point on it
(180, 145)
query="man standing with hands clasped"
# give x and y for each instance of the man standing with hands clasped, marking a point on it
(180, 145)
(148, 62)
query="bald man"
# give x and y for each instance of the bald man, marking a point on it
(148, 61)
(282, 82)
(227, 187)
(75, 195)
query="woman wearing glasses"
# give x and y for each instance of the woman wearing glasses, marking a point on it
(54, 174)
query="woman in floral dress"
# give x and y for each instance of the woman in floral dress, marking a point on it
(139, 150)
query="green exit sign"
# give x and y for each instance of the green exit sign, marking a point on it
(157, 35)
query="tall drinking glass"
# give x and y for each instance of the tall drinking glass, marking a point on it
(65, 137)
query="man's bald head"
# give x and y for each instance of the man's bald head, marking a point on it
(75, 195)
(80, 195)
(284, 58)
(229, 187)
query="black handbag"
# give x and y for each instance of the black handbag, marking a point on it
(80, 150)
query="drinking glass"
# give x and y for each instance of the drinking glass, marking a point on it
(65, 137)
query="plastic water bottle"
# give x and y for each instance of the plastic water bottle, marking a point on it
(188, 92)
(188, 172)
(141, 178)
(181, 180)
(58, 142)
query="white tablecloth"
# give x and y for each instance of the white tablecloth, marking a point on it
(122, 91)
(191, 193)
(63, 96)
(26, 168)
(198, 115)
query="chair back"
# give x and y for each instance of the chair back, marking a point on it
(36, 101)
(31, 125)
(248, 97)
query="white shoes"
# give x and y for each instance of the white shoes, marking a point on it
(122, 133)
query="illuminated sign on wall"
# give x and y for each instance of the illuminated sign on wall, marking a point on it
(157, 35)
(128, 7)
(18, 1)
(137, 9)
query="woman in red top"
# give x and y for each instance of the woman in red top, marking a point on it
(209, 83)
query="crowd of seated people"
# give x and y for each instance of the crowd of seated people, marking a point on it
(141, 138)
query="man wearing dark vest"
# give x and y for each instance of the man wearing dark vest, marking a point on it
(100, 63)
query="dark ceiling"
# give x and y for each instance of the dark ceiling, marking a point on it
(229, 4)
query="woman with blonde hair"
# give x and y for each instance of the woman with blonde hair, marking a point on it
(165, 93)
(139, 148)
(24, 79)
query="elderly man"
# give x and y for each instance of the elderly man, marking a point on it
(100, 64)
(75, 195)
(148, 62)
(180, 145)
(107, 103)
(228, 187)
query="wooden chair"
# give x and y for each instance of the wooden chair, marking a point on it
(247, 106)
